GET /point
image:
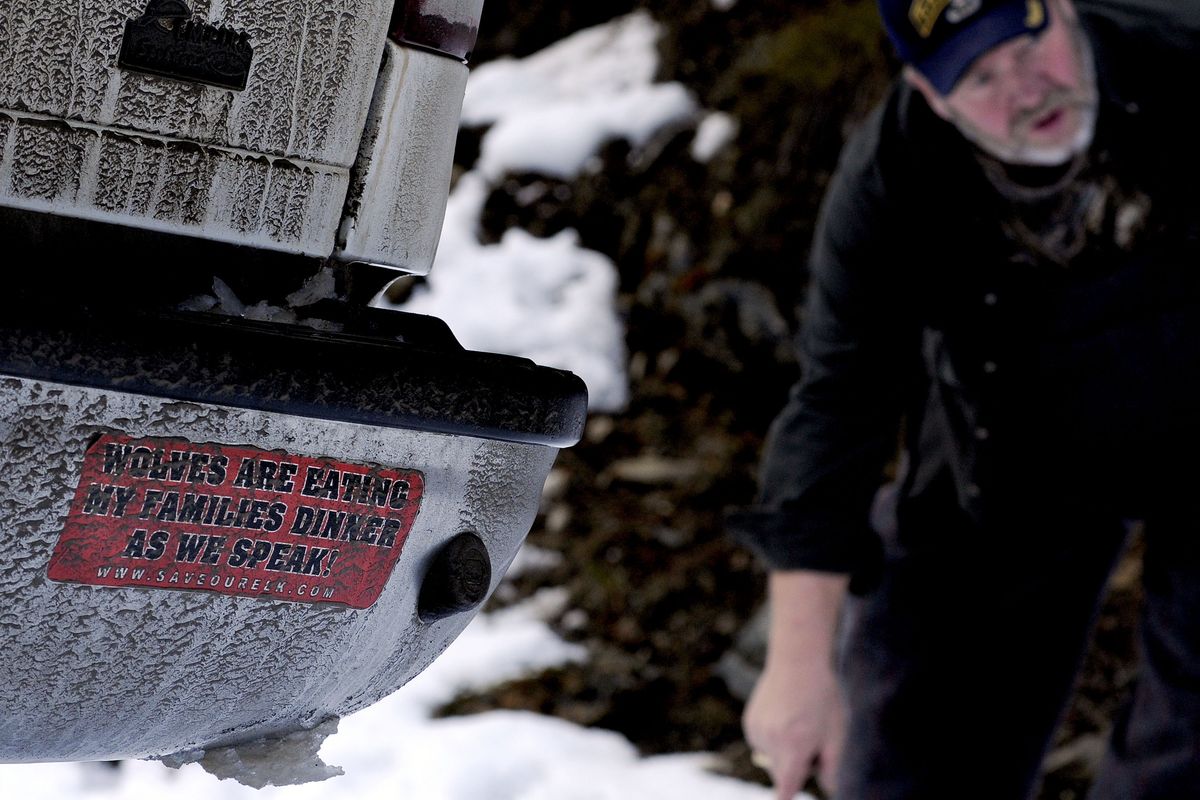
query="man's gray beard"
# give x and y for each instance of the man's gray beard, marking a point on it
(1028, 155)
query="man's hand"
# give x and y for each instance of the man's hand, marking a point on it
(795, 719)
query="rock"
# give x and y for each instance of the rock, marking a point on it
(555, 486)
(1084, 753)
(742, 664)
(652, 470)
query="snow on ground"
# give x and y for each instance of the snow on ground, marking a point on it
(550, 300)
(545, 299)
(549, 113)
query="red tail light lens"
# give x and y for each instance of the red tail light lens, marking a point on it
(449, 27)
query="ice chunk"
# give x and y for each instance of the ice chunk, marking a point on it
(274, 761)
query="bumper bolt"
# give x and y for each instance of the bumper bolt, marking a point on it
(457, 579)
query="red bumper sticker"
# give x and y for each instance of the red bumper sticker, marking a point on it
(170, 514)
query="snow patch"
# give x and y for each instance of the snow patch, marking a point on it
(549, 300)
(712, 135)
(603, 60)
(548, 759)
(560, 139)
(531, 560)
(551, 112)
(512, 643)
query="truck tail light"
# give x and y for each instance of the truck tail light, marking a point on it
(449, 27)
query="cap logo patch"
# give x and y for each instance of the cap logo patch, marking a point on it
(924, 15)
(1035, 13)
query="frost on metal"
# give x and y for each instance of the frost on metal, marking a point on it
(309, 85)
(181, 187)
(285, 760)
(397, 201)
(268, 166)
(94, 672)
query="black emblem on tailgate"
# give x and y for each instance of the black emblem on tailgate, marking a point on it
(168, 41)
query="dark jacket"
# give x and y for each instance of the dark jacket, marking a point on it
(1020, 382)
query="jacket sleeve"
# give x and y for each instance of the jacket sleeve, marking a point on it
(827, 449)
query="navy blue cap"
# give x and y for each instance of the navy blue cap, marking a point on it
(942, 38)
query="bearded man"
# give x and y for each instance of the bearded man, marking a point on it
(1008, 261)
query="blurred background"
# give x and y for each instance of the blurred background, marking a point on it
(708, 231)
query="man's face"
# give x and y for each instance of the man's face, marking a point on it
(1030, 100)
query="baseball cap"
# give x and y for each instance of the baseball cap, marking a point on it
(942, 38)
